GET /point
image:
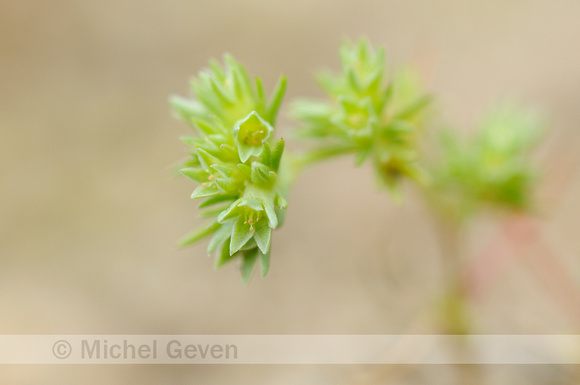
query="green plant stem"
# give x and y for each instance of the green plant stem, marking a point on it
(452, 240)
(308, 158)
(294, 164)
(454, 317)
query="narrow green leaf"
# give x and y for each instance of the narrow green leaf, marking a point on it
(219, 238)
(202, 89)
(352, 79)
(241, 84)
(363, 50)
(206, 159)
(226, 184)
(205, 191)
(413, 108)
(385, 97)
(214, 200)
(266, 155)
(198, 234)
(213, 212)
(380, 57)
(189, 140)
(205, 127)
(276, 100)
(186, 109)
(277, 154)
(239, 69)
(217, 70)
(220, 93)
(323, 153)
(224, 171)
(260, 96)
(374, 80)
(196, 174)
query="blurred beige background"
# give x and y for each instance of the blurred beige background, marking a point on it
(90, 212)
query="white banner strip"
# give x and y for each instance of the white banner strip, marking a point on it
(289, 349)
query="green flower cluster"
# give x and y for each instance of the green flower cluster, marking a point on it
(235, 161)
(491, 168)
(368, 115)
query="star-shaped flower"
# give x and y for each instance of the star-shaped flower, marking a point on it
(250, 134)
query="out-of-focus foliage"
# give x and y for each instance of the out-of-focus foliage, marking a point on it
(369, 114)
(491, 168)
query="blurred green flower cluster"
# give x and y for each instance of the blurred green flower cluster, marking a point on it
(235, 161)
(491, 168)
(368, 115)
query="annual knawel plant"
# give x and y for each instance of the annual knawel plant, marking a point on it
(380, 117)
(234, 159)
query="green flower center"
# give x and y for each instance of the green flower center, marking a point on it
(251, 217)
(252, 132)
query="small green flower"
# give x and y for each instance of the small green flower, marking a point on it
(252, 218)
(250, 134)
(355, 117)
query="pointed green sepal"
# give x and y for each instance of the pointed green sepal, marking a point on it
(261, 175)
(241, 233)
(230, 212)
(221, 94)
(206, 190)
(264, 263)
(196, 174)
(205, 127)
(206, 159)
(249, 259)
(281, 202)
(224, 171)
(271, 214)
(266, 155)
(186, 109)
(263, 236)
